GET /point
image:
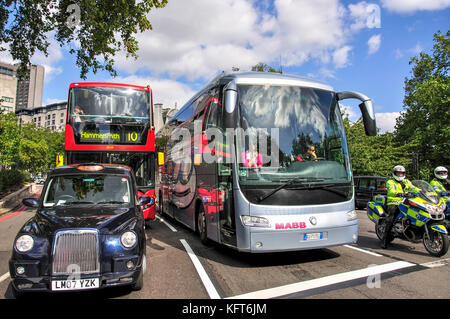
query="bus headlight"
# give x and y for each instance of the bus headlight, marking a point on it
(351, 215)
(255, 221)
(128, 239)
(24, 243)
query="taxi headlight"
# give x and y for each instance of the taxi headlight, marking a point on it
(128, 239)
(24, 243)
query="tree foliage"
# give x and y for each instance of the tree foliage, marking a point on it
(95, 30)
(424, 127)
(422, 130)
(28, 147)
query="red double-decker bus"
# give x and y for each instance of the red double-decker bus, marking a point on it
(113, 123)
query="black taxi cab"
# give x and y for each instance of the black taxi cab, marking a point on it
(87, 233)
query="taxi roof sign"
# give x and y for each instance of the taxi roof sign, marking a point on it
(90, 168)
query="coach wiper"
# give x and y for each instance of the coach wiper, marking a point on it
(291, 181)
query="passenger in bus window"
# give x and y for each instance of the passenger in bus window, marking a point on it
(311, 154)
(251, 158)
(77, 111)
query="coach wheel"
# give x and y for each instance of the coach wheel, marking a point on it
(201, 225)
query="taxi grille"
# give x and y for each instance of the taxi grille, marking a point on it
(76, 252)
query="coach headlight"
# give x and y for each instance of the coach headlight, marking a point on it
(128, 239)
(24, 243)
(255, 221)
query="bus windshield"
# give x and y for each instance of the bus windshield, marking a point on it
(108, 104)
(292, 134)
(109, 115)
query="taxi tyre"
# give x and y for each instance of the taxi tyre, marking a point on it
(139, 284)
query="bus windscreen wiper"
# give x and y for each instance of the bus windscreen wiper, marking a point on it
(291, 181)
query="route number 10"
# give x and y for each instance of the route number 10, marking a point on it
(132, 137)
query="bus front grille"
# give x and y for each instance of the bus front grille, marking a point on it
(76, 252)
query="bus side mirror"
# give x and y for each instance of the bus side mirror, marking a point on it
(160, 158)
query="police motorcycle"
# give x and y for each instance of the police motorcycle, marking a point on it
(421, 218)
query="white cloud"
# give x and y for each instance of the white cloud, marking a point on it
(340, 56)
(167, 92)
(386, 121)
(365, 15)
(49, 62)
(374, 43)
(350, 112)
(195, 39)
(410, 6)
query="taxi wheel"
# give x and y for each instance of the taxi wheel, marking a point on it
(140, 281)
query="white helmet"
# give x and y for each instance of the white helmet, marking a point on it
(441, 172)
(399, 173)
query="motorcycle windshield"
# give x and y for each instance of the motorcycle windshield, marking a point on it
(426, 191)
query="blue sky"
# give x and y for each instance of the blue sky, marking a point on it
(363, 46)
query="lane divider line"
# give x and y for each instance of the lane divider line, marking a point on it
(324, 281)
(4, 277)
(207, 283)
(167, 224)
(437, 263)
(363, 250)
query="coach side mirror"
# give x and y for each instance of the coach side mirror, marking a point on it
(366, 107)
(30, 202)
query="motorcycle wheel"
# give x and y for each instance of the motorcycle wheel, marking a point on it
(380, 228)
(437, 245)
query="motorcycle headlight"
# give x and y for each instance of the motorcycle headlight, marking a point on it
(128, 239)
(24, 243)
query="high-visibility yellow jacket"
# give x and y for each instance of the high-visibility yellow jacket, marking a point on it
(394, 188)
(438, 187)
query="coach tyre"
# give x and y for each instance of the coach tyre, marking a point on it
(201, 225)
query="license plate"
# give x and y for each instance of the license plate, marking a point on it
(77, 284)
(313, 236)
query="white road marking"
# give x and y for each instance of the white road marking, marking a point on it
(4, 277)
(363, 251)
(437, 263)
(212, 292)
(324, 281)
(167, 224)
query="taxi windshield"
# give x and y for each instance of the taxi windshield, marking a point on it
(98, 189)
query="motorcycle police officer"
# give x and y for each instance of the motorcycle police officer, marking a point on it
(397, 187)
(441, 174)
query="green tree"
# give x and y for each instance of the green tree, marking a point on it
(9, 140)
(100, 29)
(424, 127)
(373, 155)
(33, 149)
(262, 67)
